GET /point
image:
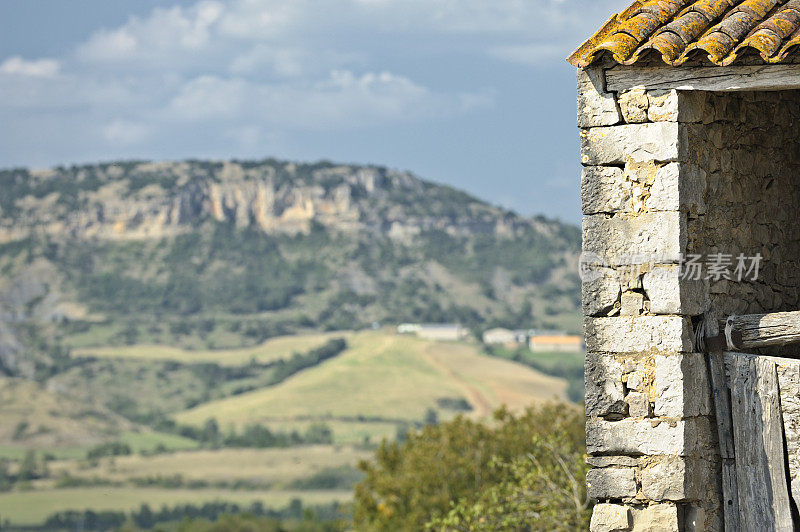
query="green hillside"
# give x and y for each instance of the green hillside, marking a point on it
(204, 255)
(196, 332)
(388, 377)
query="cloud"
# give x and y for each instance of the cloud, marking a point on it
(344, 100)
(125, 132)
(39, 68)
(212, 74)
(166, 32)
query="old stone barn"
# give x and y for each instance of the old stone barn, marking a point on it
(689, 117)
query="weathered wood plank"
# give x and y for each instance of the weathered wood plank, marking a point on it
(758, 440)
(716, 78)
(765, 330)
(789, 385)
(722, 411)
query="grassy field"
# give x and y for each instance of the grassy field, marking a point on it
(344, 432)
(381, 383)
(277, 467)
(150, 441)
(385, 376)
(37, 417)
(281, 347)
(33, 507)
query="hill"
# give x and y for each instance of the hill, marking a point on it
(201, 254)
(34, 416)
(388, 378)
(162, 324)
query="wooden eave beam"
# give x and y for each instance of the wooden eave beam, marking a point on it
(754, 331)
(713, 78)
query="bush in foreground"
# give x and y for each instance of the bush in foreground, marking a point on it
(517, 473)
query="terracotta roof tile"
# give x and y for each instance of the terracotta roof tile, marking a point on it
(679, 30)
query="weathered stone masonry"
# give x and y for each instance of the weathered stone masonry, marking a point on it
(668, 174)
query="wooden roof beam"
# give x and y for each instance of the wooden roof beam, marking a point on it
(712, 78)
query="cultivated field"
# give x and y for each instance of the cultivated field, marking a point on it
(381, 385)
(31, 507)
(281, 347)
(384, 376)
(273, 467)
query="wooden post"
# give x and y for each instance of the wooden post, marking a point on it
(758, 437)
(722, 413)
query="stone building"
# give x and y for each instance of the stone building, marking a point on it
(689, 118)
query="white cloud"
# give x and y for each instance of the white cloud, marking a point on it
(39, 68)
(344, 100)
(209, 97)
(174, 30)
(248, 71)
(125, 132)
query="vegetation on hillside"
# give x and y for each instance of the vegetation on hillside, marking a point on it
(230, 282)
(518, 473)
(156, 320)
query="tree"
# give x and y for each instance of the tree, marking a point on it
(544, 490)
(6, 481)
(460, 461)
(319, 433)
(210, 433)
(28, 469)
(431, 417)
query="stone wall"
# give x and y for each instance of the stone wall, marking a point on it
(748, 144)
(668, 175)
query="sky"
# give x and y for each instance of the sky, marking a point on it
(471, 93)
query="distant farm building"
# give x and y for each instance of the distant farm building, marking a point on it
(506, 337)
(555, 342)
(434, 331)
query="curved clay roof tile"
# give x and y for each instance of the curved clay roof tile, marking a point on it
(715, 44)
(621, 46)
(689, 26)
(680, 29)
(668, 44)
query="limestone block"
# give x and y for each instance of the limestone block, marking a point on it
(638, 404)
(634, 104)
(669, 294)
(643, 186)
(610, 518)
(611, 483)
(600, 293)
(672, 106)
(636, 334)
(614, 145)
(671, 478)
(605, 394)
(649, 436)
(595, 106)
(604, 189)
(659, 237)
(677, 186)
(632, 304)
(656, 518)
(681, 386)
(634, 381)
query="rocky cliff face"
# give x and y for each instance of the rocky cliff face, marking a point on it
(156, 200)
(212, 254)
